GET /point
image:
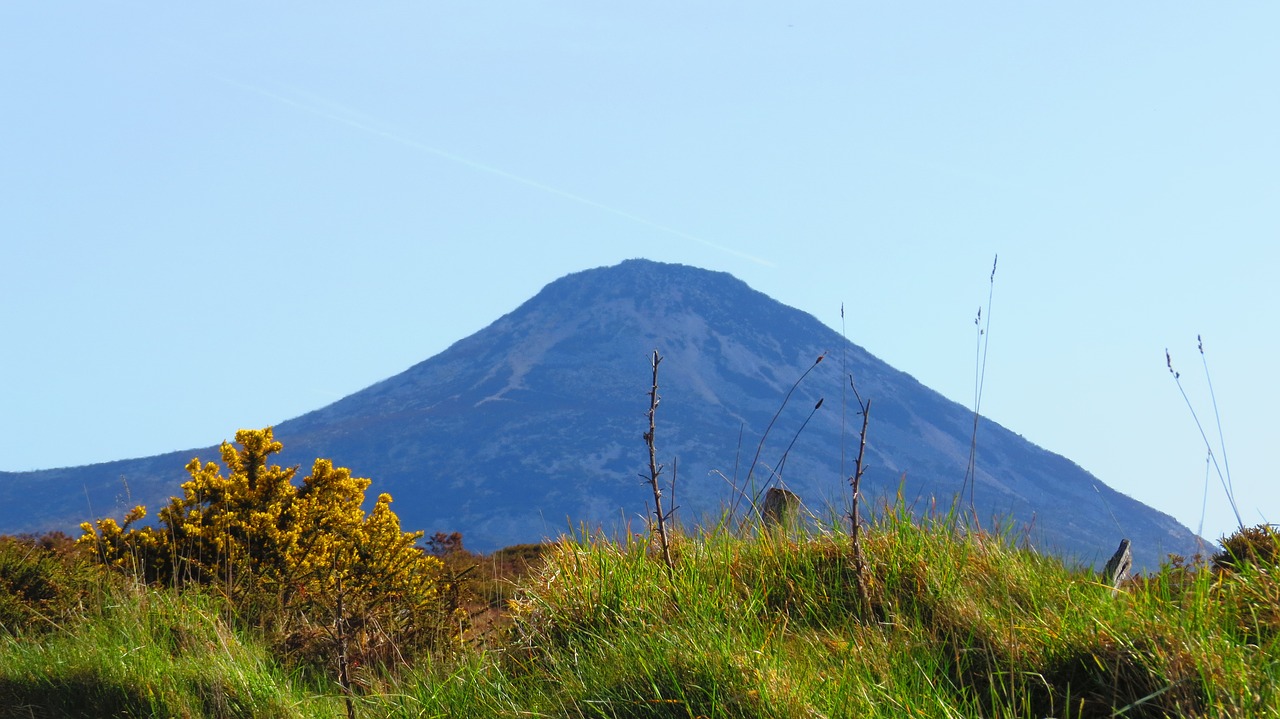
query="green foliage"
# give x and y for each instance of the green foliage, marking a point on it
(303, 562)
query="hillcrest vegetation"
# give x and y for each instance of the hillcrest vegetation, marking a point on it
(259, 594)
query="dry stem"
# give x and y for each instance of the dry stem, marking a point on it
(859, 563)
(655, 469)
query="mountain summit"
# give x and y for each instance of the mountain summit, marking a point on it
(533, 426)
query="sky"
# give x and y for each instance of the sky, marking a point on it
(217, 216)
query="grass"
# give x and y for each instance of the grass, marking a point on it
(146, 652)
(764, 626)
(768, 627)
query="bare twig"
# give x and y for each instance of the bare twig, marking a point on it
(340, 621)
(855, 481)
(855, 519)
(655, 469)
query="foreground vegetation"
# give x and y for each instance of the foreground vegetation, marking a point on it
(958, 624)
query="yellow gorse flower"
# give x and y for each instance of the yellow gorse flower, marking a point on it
(282, 549)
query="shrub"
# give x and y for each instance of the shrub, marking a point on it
(1254, 545)
(303, 562)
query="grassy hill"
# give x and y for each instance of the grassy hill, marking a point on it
(958, 624)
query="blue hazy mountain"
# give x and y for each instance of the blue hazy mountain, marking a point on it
(533, 426)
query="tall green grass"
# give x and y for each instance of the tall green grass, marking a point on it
(959, 625)
(131, 651)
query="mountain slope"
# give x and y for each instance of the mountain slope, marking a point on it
(533, 425)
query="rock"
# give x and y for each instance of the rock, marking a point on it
(781, 508)
(1118, 567)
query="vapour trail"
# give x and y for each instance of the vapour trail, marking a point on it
(489, 169)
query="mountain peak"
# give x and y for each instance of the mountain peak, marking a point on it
(653, 286)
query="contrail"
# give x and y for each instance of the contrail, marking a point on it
(481, 167)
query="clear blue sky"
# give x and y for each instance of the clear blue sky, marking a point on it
(224, 215)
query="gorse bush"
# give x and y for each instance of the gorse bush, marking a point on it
(303, 562)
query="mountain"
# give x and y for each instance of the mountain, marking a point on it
(533, 427)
